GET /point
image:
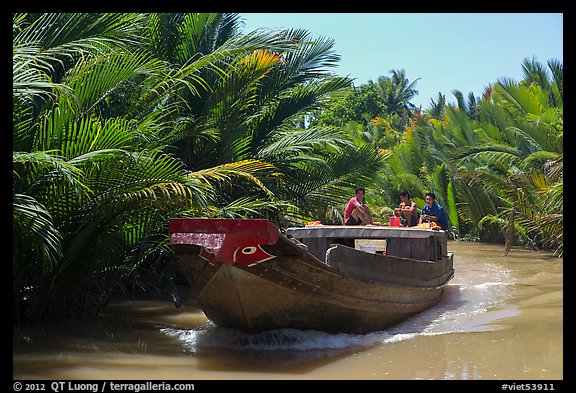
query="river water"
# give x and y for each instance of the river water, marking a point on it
(501, 318)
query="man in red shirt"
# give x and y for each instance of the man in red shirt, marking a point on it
(357, 213)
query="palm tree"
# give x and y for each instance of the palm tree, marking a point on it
(396, 93)
(520, 139)
(207, 128)
(89, 201)
(550, 80)
(470, 108)
(249, 111)
(436, 109)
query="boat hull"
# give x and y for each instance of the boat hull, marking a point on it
(230, 299)
(351, 291)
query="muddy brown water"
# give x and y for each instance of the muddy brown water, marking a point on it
(501, 318)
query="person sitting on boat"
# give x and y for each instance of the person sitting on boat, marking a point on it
(357, 212)
(433, 212)
(407, 210)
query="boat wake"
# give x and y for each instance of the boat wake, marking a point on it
(272, 340)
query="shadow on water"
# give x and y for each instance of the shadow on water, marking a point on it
(127, 327)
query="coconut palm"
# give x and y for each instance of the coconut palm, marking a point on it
(396, 92)
(520, 139)
(436, 109)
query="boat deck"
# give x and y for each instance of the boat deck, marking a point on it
(412, 243)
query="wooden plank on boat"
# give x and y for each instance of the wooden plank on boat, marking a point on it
(386, 268)
(429, 249)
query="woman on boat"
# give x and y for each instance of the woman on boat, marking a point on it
(356, 212)
(407, 210)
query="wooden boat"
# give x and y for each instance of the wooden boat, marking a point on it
(248, 275)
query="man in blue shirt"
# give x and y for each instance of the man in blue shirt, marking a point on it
(433, 212)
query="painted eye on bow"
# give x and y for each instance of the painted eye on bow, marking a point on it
(251, 255)
(249, 250)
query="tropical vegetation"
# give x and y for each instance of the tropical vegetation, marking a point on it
(121, 121)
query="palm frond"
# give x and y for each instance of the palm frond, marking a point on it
(557, 89)
(538, 160)
(74, 137)
(292, 102)
(228, 173)
(30, 81)
(521, 100)
(188, 74)
(64, 35)
(293, 143)
(534, 72)
(311, 57)
(94, 78)
(35, 235)
(501, 155)
(451, 209)
(494, 184)
(32, 169)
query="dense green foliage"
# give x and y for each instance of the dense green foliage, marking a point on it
(121, 121)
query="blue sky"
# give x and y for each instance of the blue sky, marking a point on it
(447, 51)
